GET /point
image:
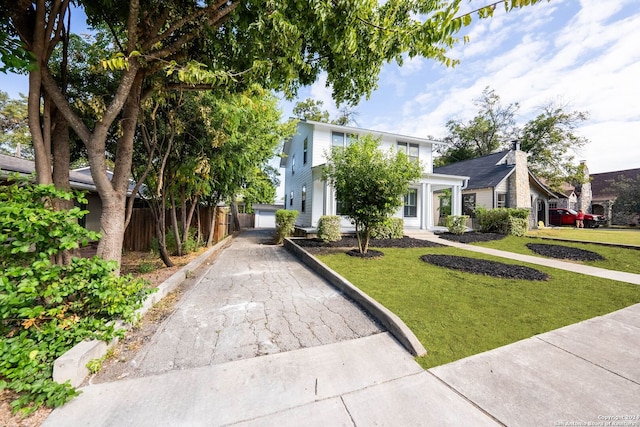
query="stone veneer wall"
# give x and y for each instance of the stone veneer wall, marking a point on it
(518, 183)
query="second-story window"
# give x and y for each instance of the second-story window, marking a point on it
(411, 150)
(304, 151)
(293, 164)
(339, 139)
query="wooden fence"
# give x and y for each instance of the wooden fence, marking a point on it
(141, 230)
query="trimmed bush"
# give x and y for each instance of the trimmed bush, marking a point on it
(329, 228)
(285, 223)
(499, 220)
(457, 224)
(391, 228)
(518, 226)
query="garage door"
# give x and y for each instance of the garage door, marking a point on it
(265, 219)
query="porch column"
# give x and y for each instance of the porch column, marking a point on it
(429, 206)
(456, 200)
(326, 197)
(423, 210)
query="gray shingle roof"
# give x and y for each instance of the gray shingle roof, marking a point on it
(483, 172)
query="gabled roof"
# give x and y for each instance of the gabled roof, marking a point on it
(483, 172)
(601, 182)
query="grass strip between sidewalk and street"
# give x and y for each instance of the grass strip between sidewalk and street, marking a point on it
(456, 314)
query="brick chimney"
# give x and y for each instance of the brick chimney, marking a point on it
(585, 197)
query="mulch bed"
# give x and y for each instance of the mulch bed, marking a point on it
(486, 267)
(318, 247)
(564, 252)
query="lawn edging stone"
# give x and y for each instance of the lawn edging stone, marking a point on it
(384, 316)
(72, 365)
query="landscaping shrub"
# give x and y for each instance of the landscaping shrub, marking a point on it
(45, 308)
(502, 220)
(329, 228)
(285, 221)
(457, 224)
(391, 228)
(518, 226)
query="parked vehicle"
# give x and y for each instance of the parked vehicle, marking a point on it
(562, 216)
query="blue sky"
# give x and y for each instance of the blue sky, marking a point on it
(582, 53)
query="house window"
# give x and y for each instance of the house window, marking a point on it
(337, 139)
(304, 151)
(502, 200)
(303, 200)
(291, 199)
(411, 203)
(469, 204)
(553, 204)
(293, 164)
(411, 150)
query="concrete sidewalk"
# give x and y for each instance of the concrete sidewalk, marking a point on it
(188, 375)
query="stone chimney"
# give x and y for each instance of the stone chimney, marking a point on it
(585, 197)
(518, 184)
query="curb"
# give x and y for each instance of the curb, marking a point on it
(72, 365)
(389, 320)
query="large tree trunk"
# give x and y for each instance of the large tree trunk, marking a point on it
(114, 193)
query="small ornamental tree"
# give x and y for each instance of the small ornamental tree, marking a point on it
(369, 183)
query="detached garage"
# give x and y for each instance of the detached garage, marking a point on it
(265, 215)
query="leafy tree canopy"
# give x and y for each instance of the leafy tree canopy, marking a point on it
(369, 183)
(15, 138)
(550, 139)
(627, 202)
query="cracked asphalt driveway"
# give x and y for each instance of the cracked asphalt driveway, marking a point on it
(256, 299)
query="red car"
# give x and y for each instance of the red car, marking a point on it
(562, 216)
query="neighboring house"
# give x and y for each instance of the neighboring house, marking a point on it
(502, 180)
(78, 179)
(604, 194)
(575, 197)
(304, 156)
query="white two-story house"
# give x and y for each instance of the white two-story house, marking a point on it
(304, 156)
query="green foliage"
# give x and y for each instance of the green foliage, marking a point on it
(503, 220)
(457, 224)
(518, 226)
(369, 184)
(329, 229)
(627, 203)
(311, 109)
(14, 127)
(285, 223)
(45, 309)
(549, 139)
(391, 228)
(493, 127)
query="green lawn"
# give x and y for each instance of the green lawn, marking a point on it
(620, 259)
(626, 236)
(456, 314)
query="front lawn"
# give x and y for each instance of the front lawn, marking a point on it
(615, 258)
(456, 314)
